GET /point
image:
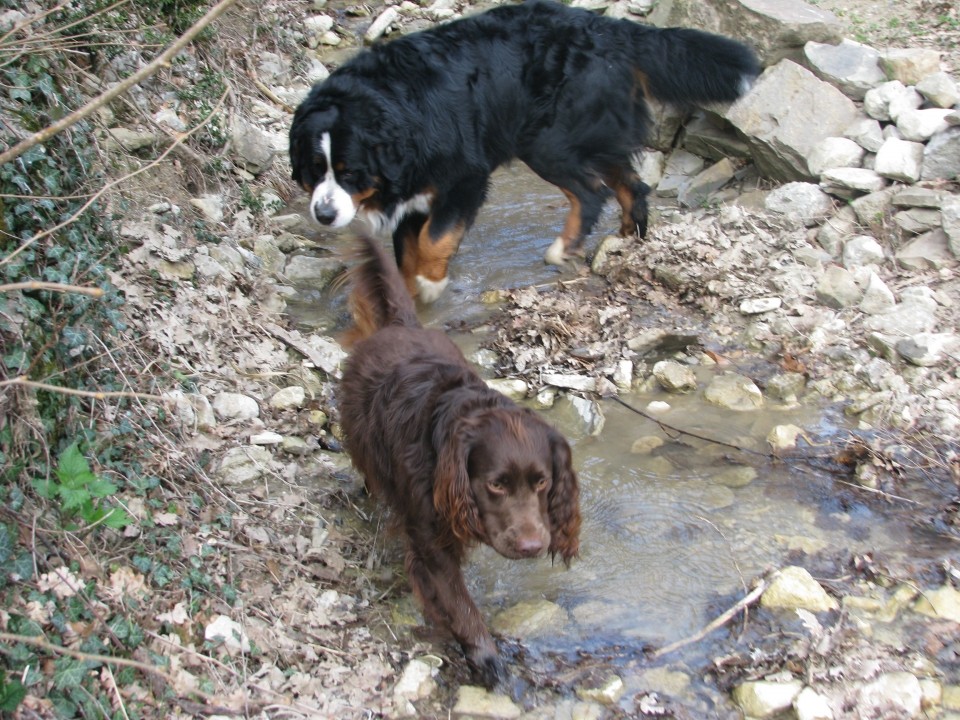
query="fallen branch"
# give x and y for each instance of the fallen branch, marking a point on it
(54, 287)
(717, 623)
(667, 428)
(95, 394)
(162, 60)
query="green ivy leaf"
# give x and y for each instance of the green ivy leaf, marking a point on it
(12, 694)
(72, 463)
(6, 543)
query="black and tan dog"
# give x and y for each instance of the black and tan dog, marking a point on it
(407, 133)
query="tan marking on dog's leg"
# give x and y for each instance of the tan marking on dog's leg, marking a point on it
(559, 252)
(425, 269)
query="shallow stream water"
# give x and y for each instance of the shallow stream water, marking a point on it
(672, 537)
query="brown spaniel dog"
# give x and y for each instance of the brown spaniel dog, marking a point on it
(457, 462)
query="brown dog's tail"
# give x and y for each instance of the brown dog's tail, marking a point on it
(379, 296)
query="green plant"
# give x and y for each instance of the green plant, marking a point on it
(80, 492)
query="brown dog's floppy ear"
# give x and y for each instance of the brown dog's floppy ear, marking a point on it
(452, 494)
(563, 501)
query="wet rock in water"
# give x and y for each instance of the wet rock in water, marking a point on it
(658, 407)
(606, 690)
(895, 694)
(623, 374)
(736, 476)
(546, 398)
(944, 602)
(477, 702)
(312, 272)
(811, 705)
(786, 387)
(804, 201)
(646, 445)
(838, 288)
(531, 619)
(664, 680)
(674, 377)
(784, 437)
(243, 464)
(928, 349)
(794, 588)
(589, 413)
(288, 398)
(582, 383)
(766, 698)
(734, 392)
(235, 406)
(513, 388)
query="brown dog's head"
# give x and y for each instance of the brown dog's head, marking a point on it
(504, 477)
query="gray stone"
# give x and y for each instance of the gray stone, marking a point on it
(920, 197)
(885, 102)
(941, 158)
(849, 182)
(877, 297)
(757, 306)
(850, 66)
(474, 703)
(892, 695)
(288, 398)
(266, 438)
(900, 160)
(810, 705)
(917, 220)
(674, 377)
(513, 388)
(589, 413)
(210, 207)
(909, 65)
(804, 201)
(312, 272)
(680, 167)
(582, 383)
(930, 250)
(950, 220)
(928, 349)
(776, 28)
(939, 89)
(915, 314)
(250, 146)
(871, 209)
(736, 477)
(838, 289)
(708, 136)
(783, 117)
(783, 437)
(834, 152)
(942, 603)
(381, 25)
(766, 698)
(836, 230)
(271, 257)
(244, 464)
(235, 406)
(786, 387)
(862, 250)
(921, 125)
(121, 138)
(696, 192)
(795, 589)
(734, 392)
(866, 132)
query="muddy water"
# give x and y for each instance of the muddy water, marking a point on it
(671, 537)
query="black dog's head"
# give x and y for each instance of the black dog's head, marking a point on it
(330, 161)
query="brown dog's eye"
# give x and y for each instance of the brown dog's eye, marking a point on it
(496, 488)
(541, 485)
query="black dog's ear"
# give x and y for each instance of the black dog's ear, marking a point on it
(309, 122)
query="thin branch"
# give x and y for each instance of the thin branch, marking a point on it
(162, 60)
(95, 394)
(718, 622)
(55, 287)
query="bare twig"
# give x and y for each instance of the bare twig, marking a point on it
(95, 394)
(718, 622)
(52, 286)
(162, 60)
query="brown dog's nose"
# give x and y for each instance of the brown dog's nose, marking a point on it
(529, 545)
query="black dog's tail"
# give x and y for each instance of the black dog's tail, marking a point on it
(379, 296)
(685, 67)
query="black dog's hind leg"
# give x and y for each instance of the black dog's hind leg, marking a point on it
(631, 193)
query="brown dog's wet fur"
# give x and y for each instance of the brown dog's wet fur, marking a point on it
(455, 461)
